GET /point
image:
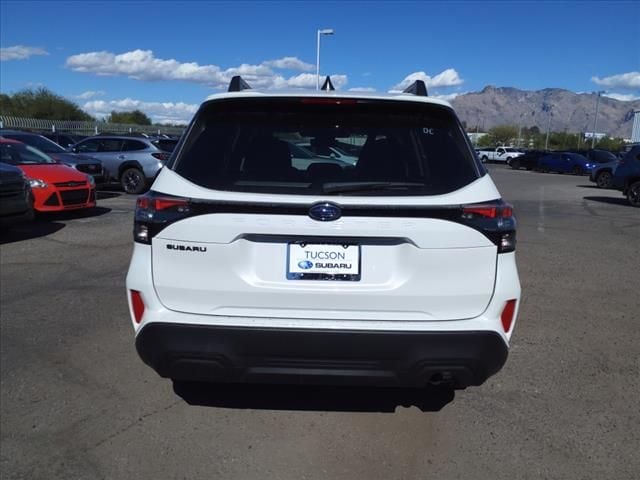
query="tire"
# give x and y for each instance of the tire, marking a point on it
(133, 181)
(515, 164)
(604, 179)
(633, 194)
(485, 159)
(577, 170)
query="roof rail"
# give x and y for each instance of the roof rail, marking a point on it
(327, 85)
(418, 88)
(237, 84)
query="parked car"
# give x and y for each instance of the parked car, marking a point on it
(326, 151)
(565, 162)
(596, 155)
(529, 160)
(82, 163)
(302, 158)
(246, 269)
(65, 140)
(55, 186)
(133, 161)
(16, 203)
(602, 173)
(499, 154)
(627, 176)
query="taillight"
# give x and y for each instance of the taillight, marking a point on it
(137, 304)
(156, 211)
(162, 156)
(507, 315)
(488, 211)
(495, 220)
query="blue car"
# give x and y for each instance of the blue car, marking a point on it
(627, 176)
(566, 162)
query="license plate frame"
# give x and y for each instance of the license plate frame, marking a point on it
(351, 250)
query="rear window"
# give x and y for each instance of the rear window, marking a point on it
(165, 145)
(133, 145)
(41, 143)
(327, 146)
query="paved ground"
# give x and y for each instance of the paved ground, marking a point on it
(77, 403)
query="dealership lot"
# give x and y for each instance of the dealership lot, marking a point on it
(76, 401)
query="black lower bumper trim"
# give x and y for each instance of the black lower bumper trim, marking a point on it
(330, 357)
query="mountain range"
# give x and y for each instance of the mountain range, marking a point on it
(568, 111)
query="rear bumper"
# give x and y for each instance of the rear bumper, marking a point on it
(316, 356)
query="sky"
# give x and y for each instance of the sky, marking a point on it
(165, 57)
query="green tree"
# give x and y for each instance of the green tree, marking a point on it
(611, 144)
(135, 117)
(563, 140)
(501, 135)
(485, 141)
(41, 103)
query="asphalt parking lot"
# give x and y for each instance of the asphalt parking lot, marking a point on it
(77, 403)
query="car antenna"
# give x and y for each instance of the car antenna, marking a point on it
(418, 88)
(327, 85)
(237, 84)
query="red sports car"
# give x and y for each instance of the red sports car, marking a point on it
(55, 187)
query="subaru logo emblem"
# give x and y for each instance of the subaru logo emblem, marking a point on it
(305, 264)
(325, 212)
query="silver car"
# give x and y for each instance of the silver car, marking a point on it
(134, 162)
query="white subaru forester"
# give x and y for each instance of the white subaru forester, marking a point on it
(260, 259)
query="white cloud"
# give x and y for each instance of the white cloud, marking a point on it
(446, 78)
(448, 97)
(624, 80)
(143, 65)
(623, 97)
(362, 89)
(160, 112)
(290, 63)
(20, 52)
(90, 94)
(308, 80)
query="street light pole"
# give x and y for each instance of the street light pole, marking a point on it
(546, 142)
(323, 31)
(595, 119)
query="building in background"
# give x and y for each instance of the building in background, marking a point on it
(635, 131)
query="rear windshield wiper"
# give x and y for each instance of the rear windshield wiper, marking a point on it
(365, 186)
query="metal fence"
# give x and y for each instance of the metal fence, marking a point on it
(84, 128)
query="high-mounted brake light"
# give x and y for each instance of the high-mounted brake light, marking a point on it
(329, 101)
(507, 315)
(137, 305)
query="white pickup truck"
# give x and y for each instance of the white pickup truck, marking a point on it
(500, 154)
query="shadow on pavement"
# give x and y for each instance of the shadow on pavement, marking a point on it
(610, 200)
(27, 231)
(593, 185)
(103, 195)
(45, 224)
(312, 398)
(73, 214)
